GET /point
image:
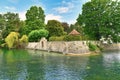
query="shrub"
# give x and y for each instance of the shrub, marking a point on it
(86, 37)
(92, 47)
(12, 39)
(23, 41)
(72, 38)
(55, 38)
(36, 35)
(1, 41)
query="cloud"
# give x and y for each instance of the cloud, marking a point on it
(65, 8)
(22, 15)
(53, 17)
(48, 17)
(72, 21)
(11, 8)
(62, 9)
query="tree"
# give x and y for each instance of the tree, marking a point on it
(55, 28)
(100, 18)
(2, 25)
(11, 23)
(36, 35)
(65, 26)
(23, 28)
(12, 39)
(34, 19)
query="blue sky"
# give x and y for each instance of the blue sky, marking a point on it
(62, 10)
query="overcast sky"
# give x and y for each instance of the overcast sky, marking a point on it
(62, 10)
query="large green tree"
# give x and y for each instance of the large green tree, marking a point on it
(100, 18)
(2, 25)
(35, 18)
(10, 22)
(55, 28)
(65, 26)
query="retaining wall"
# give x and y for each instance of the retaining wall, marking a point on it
(76, 47)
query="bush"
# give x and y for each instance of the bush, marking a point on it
(55, 38)
(1, 41)
(72, 38)
(86, 37)
(12, 39)
(23, 41)
(36, 35)
(92, 47)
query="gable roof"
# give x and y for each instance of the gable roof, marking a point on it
(74, 32)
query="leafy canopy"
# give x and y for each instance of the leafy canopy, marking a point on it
(35, 18)
(100, 18)
(36, 35)
(9, 22)
(55, 28)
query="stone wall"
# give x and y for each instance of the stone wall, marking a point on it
(42, 45)
(76, 47)
(111, 47)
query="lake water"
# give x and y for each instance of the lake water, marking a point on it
(39, 65)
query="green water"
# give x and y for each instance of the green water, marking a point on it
(38, 65)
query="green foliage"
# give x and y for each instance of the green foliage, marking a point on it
(36, 35)
(100, 19)
(92, 47)
(23, 29)
(55, 38)
(2, 25)
(116, 38)
(86, 37)
(72, 38)
(12, 39)
(65, 26)
(65, 38)
(9, 22)
(1, 41)
(23, 41)
(34, 19)
(77, 27)
(55, 28)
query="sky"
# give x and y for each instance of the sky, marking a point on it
(62, 10)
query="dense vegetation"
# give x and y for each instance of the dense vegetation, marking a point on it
(55, 28)
(99, 18)
(13, 41)
(36, 35)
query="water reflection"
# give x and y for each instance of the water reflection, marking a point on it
(104, 67)
(38, 65)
